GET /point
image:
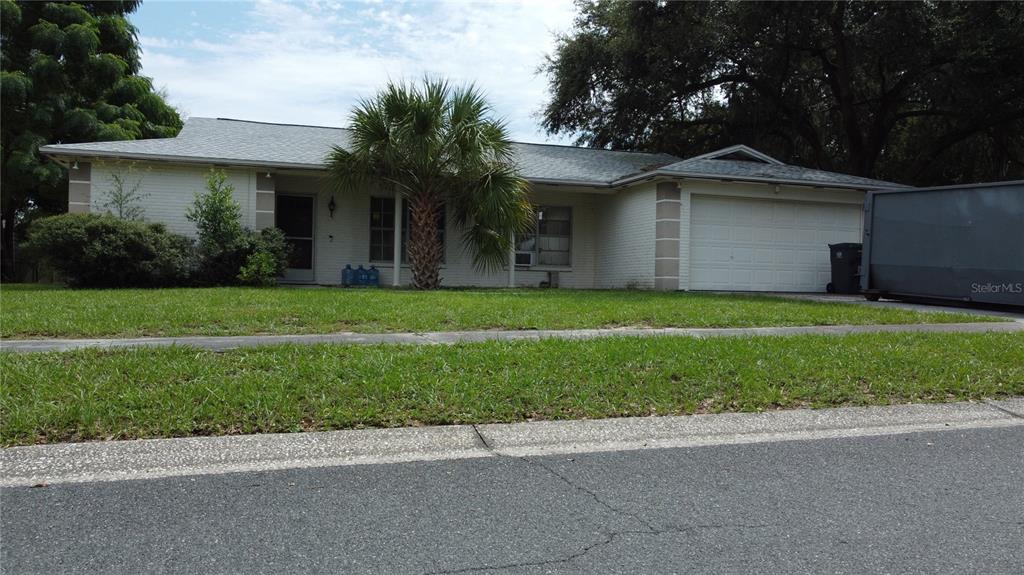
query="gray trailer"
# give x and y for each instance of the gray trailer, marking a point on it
(953, 243)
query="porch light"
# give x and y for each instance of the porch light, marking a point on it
(331, 206)
(74, 166)
(267, 176)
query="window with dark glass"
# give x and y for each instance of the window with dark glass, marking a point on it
(549, 243)
(382, 229)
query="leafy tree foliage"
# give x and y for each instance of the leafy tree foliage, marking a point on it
(70, 73)
(922, 92)
(438, 148)
(216, 214)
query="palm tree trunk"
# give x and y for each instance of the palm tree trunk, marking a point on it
(424, 247)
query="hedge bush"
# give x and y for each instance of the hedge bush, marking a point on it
(92, 250)
(228, 252)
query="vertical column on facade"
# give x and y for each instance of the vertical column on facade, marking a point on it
(79, 187)
(666, 240)
(395, 276)
(684, 239)
(265, 200)
(512, 262)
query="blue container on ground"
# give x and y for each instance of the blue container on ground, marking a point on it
(348, 275)
(362, 276)
(373, 276)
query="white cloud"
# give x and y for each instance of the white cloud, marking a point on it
(309, 63)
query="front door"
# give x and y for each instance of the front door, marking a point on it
(295, 217)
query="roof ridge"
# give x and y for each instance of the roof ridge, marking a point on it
(595, 149)
(271, 123)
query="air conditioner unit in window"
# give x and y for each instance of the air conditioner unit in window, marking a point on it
(524, 258)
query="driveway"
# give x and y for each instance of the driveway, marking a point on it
(891, 303)
(935, 501)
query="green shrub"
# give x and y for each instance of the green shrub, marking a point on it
(91, 250)
(224, 245)
(259, 270)
(216, 214)
(268, 259)
(230, 253)
(271, 241)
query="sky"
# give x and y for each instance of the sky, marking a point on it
(311, 62)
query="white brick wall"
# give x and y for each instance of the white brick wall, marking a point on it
(625, 255)
(612, 234)
(171, 191)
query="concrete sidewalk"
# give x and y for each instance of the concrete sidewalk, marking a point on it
(220, 343)
(148, 459)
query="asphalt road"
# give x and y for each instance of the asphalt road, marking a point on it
(937, 502)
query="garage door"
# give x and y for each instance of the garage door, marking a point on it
(764, 245)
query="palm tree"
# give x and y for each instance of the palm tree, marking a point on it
(437, 147)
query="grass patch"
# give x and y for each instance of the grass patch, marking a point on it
(169, 392)
(37, 311)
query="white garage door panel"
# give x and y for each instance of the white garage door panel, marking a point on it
(763, 245)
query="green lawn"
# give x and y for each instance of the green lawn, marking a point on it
(168, 392)
(39, 311)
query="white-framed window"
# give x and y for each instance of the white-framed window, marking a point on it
(382, 229)
(550, 241)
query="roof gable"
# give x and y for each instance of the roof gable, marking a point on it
(740, 153)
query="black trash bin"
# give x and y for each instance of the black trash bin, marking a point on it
(845, 268)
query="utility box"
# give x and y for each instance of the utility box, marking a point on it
(954, 243)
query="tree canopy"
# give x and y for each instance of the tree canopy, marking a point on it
(919, 93)
(70, 73)
(438, 148)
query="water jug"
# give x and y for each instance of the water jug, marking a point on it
(348, 275)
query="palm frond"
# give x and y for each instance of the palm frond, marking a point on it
(432, 140)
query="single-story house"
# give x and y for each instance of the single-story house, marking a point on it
(734, 219)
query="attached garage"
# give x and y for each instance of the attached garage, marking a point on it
(749, 244)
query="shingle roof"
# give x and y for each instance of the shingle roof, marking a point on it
(218, 140)
(287, 145)
(757, 171)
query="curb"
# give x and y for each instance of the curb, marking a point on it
(223, 343)
(155, 458)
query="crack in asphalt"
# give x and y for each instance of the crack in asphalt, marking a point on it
(591, 494)
(608, 537)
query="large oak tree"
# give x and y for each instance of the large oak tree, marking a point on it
(70, 73)
(921, 93)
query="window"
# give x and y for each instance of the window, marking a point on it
(550, 242)
(382, 229)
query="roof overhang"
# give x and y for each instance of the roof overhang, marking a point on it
(58, 153)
